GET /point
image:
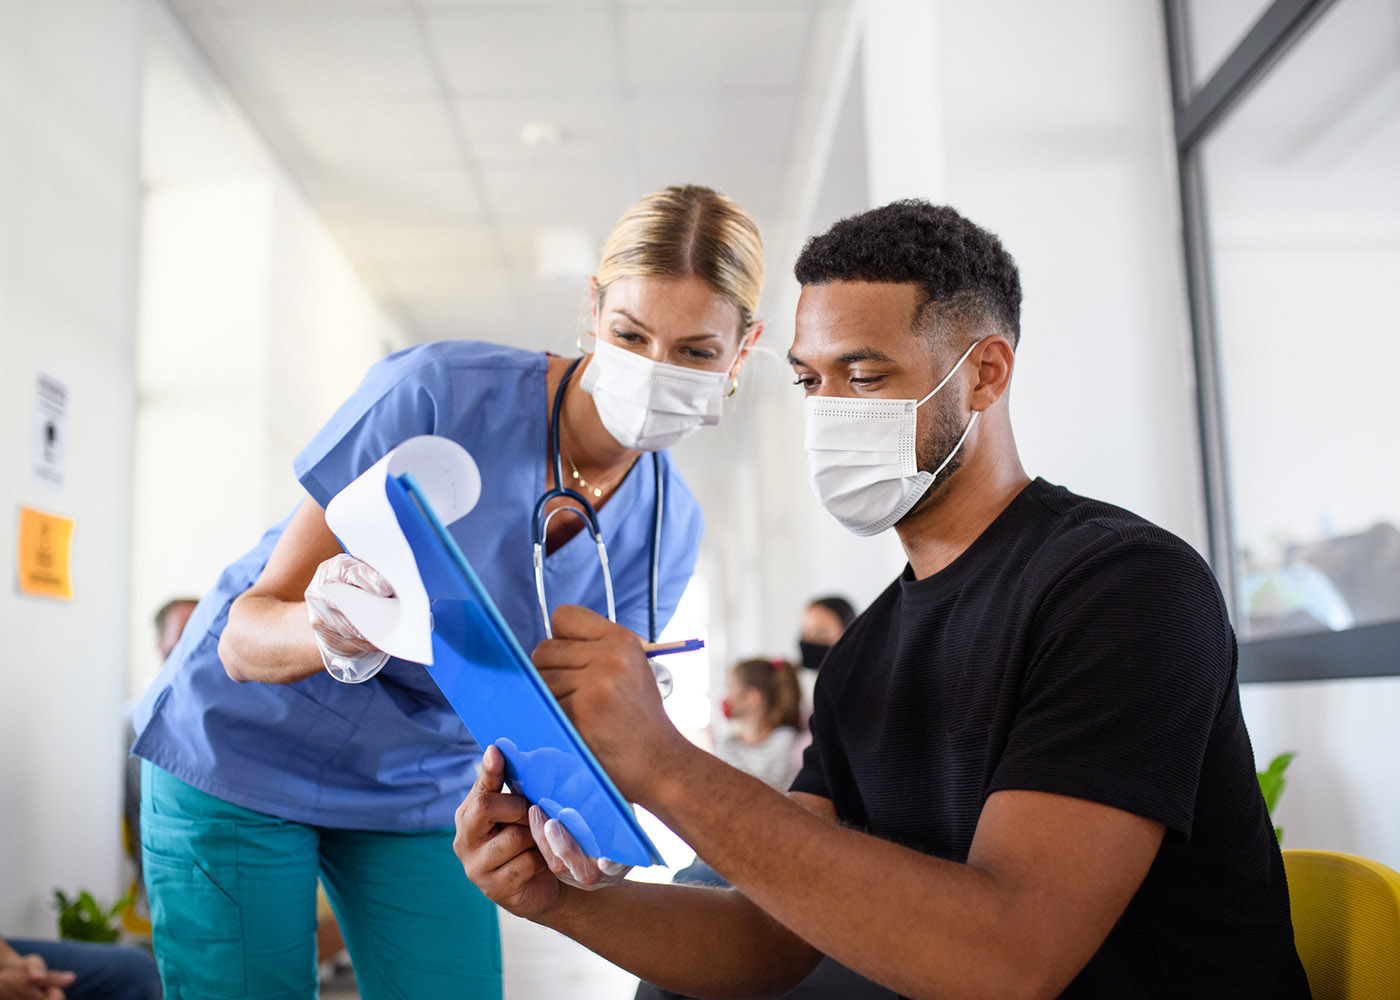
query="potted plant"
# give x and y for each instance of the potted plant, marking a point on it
(83, 919)
(1271, 782)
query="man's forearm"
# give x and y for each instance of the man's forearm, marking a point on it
(912, 922)
(699, 941)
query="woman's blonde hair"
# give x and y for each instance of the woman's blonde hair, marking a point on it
(684, 231)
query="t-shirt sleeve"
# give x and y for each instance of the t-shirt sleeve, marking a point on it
(1133, 657)
(401, 396)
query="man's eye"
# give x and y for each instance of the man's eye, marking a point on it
(807, 382)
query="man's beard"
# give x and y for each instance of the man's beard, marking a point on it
(948, 427)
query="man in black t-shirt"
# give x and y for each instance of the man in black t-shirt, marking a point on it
(1029, 773)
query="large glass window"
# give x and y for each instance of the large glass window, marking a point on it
(1302, 185)
(1216, 27)
(1290, 166)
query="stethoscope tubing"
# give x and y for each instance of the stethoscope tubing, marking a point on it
(539, 521)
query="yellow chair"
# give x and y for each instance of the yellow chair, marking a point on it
(1346, 924)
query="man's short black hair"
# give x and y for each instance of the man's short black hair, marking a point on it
(964, 270)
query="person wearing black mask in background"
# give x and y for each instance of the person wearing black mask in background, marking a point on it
(822, 624)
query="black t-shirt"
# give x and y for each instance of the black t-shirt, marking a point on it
(1079, 650)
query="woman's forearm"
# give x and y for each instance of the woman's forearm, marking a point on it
(269, 639)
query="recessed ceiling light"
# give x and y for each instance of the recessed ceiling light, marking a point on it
(541, 133)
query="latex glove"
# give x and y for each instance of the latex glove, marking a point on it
(348, 655)
(567, 860)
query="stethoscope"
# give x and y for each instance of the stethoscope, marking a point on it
(585, 510)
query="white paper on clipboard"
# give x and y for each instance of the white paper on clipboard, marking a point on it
(364, 522)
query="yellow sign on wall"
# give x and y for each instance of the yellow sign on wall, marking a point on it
(45, 554)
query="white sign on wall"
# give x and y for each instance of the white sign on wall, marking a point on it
(50, 430)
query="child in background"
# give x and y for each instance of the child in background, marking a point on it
(763, 697)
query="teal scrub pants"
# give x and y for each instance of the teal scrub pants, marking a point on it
(233, 903)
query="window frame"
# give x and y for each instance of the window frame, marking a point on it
(1365, 651)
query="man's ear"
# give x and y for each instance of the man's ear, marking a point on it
(993, 361)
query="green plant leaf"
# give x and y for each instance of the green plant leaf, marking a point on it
(83, 919)
(1271, 779)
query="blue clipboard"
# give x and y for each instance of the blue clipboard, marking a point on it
(495, 690)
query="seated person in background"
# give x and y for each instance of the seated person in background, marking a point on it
(761, 711)
(823, 622)
(1030, 775)
(77, 970)
(170, 625)
(763, 700)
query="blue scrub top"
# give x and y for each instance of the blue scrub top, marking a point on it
(390, 754)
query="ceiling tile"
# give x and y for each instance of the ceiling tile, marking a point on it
(393, 196)
(588, 198)
(372, 132)
(396, 247)
(716, 125)
(756, 184)
(520, 50)
(679, 49)
(338, 52)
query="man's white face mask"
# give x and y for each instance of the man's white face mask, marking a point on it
(650, 405)
(862, 459)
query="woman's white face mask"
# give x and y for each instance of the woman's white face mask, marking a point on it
(862, 456)
(650, 405)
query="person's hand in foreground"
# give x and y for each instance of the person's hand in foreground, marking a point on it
(605, 684)
(496, 846)
(25, 977)
(347, 654)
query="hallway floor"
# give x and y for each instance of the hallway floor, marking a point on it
(542, 965)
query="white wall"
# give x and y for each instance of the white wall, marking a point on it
(1050, 126)
(1341, 787)
(69, 219)
(1059, 141)
(253, 329)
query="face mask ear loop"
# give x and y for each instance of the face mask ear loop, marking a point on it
(956, 448)
(951, 372)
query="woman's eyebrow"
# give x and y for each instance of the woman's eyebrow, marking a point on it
(632, 319)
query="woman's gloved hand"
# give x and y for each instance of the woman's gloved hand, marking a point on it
(348, 655)
(567, 860)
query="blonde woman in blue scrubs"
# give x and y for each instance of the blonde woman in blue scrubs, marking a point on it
(262, 772)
